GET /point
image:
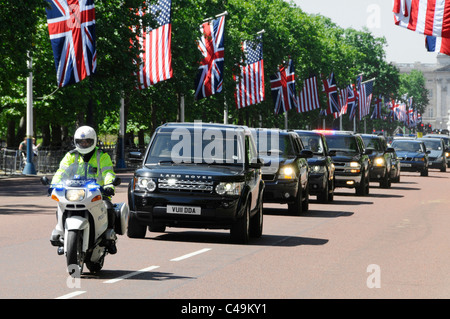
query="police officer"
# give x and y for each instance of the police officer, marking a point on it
(85, 140)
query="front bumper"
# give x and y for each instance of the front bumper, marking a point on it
(412, 166)
(217, 212)
(349, 180)
(317, 183)
(280, 191)
(377, 173)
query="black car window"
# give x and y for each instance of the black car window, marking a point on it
(373, 142)
(433, 144)
(216, 146)
(344, 143)
(313, 143)
(407, 146)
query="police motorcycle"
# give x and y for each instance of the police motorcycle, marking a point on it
(82, 233)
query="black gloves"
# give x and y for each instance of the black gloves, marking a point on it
(108, 191)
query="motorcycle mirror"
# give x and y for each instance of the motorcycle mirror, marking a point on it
(45, 181)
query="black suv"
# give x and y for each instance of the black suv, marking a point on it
(380, 159)
(321, 167)
(351, 160)
(199, 176)
(285, 170)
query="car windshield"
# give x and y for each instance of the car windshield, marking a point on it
(407, 146)
(274, 144)
(342, 143)
(373, 142)
(434, 145)
(312, 143)
(202, 146)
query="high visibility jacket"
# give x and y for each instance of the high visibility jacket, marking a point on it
(101, 161)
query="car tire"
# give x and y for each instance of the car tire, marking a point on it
(444, 168)
(323, 197)
(361, 188)
(256, 222)
(240, 229)
(295, 208)
(157, 228)
(135, 229)
(424, 172)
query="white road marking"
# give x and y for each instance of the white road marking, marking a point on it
(72, 294)
(191, 254)
(112, 281)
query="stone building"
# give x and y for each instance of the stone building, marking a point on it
(438, 84)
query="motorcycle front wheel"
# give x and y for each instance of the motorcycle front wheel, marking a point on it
(74, 253)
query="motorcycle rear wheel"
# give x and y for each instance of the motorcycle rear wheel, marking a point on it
(74, 253)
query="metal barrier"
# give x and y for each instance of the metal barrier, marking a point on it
(47, 161)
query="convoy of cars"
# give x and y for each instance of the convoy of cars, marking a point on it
(217, 176)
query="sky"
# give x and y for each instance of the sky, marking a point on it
(403, 46)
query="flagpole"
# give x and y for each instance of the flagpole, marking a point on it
(216, 16)
(29, 168)
(121, 144)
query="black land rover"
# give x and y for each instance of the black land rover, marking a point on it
(321, 167)
(198, 175)
(285, 170)
(351, 161)
(380, 159)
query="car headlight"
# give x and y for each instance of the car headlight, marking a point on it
(145, 183)
(419, 159)
(287, 172)
(447, 154)
(379, 161)
(228, 188)
(355, 165)
(318, 169)
(75, 195)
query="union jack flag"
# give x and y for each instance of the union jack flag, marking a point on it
(330, 88)
(250, 82)
(156, 59)
(352, 100)
(71, 26)
(210, 76)
(376, 114)
(283, 89)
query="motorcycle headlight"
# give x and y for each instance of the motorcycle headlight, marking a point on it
(287, 172)
(226, 188)
(75, 195)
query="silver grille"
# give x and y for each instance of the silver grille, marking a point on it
(185, 185)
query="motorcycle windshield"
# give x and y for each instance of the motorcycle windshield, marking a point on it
(79, 175)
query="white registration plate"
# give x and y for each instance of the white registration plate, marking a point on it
(185, 210)
(405, 165)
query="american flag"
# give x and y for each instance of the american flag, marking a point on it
(71, 25)
(211, 45)
(365, 98)
(250, 81)
(330, 88)
(429, 17)
(156, 59)
(308, 99)
(437, 44)
(283, 89)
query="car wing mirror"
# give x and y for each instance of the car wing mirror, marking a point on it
(332, 153)
(306, 154)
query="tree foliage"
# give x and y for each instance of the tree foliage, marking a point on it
(315, 44)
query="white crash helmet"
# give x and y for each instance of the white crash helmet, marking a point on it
(85, 139)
